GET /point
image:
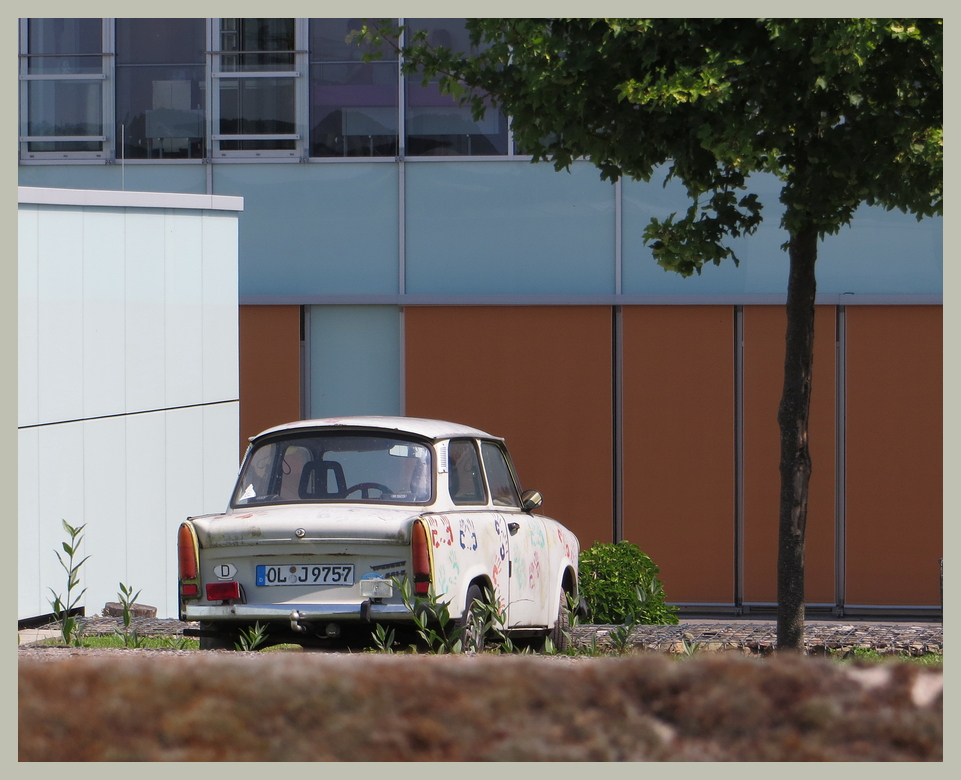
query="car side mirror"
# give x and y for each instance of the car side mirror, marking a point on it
(531, 499)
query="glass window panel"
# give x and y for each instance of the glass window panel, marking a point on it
(499, 477)
(304, 468)
(257, 44)
(64, 36)
(465, 481)
(160, 41)
(257, 107)
(436, 123)
(70, 107)
(64, 108)
(38, 66)
(160, 88)
(353, 104)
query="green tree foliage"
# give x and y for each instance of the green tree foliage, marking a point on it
(843, 112)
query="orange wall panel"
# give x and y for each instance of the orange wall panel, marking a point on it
(894, 455)
(678, 429)
(764, 328)
(269, 368)
(541, 377)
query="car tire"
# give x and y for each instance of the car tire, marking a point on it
(473, 621)
(222, 642)
(560, 635)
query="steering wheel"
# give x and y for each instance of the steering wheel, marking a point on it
(366, 487)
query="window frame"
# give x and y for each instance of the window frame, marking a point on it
(485, 500)
(511, 473)
(204, 82)
(215, 77)
(107, 110)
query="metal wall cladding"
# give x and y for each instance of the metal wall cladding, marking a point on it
(128, 390)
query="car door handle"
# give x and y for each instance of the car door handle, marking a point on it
(513, 528)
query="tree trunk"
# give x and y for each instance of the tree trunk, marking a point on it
(792, 418)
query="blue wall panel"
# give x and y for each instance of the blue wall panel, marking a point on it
(508, 228)
(134, 178)
(74, 177)
(879, 253)
(315, 229)
(502, 227)
(354, 360)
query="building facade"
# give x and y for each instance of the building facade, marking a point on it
(128, 405)
(398, 257)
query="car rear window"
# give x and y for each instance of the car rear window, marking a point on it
(341, 467)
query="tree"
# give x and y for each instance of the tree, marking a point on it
(843, 111)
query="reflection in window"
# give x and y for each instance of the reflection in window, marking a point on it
(160, 88)
(436, 124)
(64, 85)
(353, 104)
(464, 476)
(338, 468)
(503, 490)
(261, 101)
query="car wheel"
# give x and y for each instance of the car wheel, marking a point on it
(560, 635)
(473, 621)
(222, 642)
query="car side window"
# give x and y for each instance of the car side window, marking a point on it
(464, 477)
(499, 476)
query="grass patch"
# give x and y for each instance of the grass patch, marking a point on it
(113, 640)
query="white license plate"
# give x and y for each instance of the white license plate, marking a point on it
(309, 574)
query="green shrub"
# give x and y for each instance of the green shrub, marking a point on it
(619, 583)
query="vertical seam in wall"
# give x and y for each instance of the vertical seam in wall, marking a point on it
(126, 368)
(840, 459)
(83, 372)
(164, 226)
(618, 239)
(617, 338)
(617, 334)
(305, 384)
(209, 103)
(401, 226)
(738, 458)
(402, 361)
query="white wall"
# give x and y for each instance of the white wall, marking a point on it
(128, 384)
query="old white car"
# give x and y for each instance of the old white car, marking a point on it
(330, 518)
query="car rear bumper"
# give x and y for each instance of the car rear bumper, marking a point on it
(366, 611)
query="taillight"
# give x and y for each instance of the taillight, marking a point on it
(187, 552)
(420, 554)
(223, 591)
(188, 561)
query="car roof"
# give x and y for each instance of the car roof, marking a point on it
(430, 429)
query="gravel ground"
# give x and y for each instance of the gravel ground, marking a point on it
(749, 636)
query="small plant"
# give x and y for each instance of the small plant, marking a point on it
(688, 649)
(620, 636)
(63, 606)
(127, 598)
(383, 639)
(422, 608)
(174, 642)
(573, 621)
(252, 637)
(618, 580)
(495, 623)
